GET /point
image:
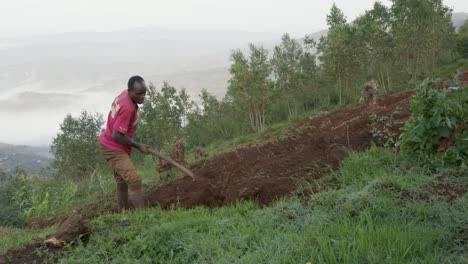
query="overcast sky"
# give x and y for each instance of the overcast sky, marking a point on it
(298, 17)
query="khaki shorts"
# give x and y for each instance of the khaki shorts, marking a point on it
(123, 169)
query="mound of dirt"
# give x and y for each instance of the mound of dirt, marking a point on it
(263, 172)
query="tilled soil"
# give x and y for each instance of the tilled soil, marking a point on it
(265, 173)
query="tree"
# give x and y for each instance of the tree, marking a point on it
(423, 32)
(76, 146)
(293, 68)
(249, 86)
(377, 45)
(462, 40)
(332, 48)
(163, 116)
(215, 119)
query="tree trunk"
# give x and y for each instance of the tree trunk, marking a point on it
(382, 81)
(251, 118)
(339, 85)
(388, 82)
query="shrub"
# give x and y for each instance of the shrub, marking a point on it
(436, 133)
(76, 147)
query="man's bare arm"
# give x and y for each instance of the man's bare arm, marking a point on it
(125, 140)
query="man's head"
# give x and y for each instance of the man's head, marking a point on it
(137, 89)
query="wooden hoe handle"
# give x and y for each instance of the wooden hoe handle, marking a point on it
(177, 165)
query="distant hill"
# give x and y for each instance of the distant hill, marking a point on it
(26, 157)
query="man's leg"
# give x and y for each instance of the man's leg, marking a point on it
(136, 195)
(122, 196)
(121, 186)
(126, 171)
(126, 178)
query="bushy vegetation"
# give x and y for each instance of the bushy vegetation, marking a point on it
(24, 197)
(437, 132)
(378, 214)
(462, 40)
(76, 146)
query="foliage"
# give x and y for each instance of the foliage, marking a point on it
(38, 199)
(76, 146)
(249, 86)
(9, 213)
(100, 183)
(332, 48)
(439, 114)
(23, 197)
(163, 115)
(422, 31)
(376, 44)
(381, 129)
(215, 119)
(293, 68)
(462, 40)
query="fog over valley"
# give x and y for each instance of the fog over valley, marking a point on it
(42, 78)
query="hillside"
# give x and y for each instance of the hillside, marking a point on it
(360, 157)
(26, 157)
(334, 188)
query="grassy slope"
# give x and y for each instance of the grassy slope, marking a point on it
(20, 237)
(375, 216)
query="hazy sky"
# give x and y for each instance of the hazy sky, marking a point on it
(24, 17)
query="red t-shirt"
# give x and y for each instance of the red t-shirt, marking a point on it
(122, 117)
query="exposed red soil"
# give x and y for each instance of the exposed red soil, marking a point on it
(264, 173)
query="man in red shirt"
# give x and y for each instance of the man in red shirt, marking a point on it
(117, 142)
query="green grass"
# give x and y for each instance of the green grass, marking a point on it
(20, 237)
(375, 216)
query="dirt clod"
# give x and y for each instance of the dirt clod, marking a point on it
(69, 230)
(177, 154)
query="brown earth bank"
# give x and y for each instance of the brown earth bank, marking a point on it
(265, 172)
